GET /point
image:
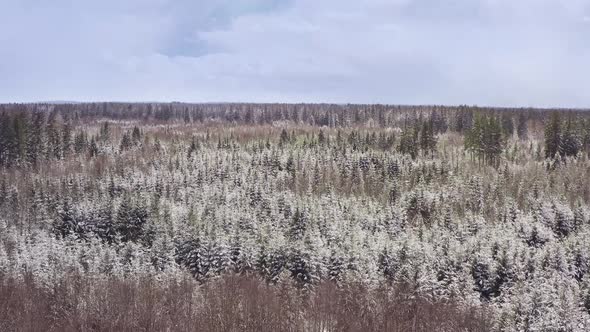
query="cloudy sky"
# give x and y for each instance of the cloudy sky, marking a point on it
(484, 52)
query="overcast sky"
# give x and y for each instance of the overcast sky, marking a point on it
(484, 52)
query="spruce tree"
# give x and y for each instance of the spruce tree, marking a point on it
(93, 149)
(20, 139)
(54, 145)
(569, 144)
(66, 140)
(126, 143)
(298, 225)
(136, 135)
(427, 138)
(409, 142)
(522, 129)
(80, 142)
(130, 220)
(37, 142)
(552, 136)
(7, 140)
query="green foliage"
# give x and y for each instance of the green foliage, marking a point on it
(553, 136)
(485, 139)
(408, 143)
(569, 143)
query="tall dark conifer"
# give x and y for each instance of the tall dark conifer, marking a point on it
(569, 144)
(36, 144)
(552, 136)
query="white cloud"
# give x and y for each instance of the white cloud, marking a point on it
(494, 52)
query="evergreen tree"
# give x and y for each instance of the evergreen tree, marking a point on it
(54, 145)
(126, 143)
(493, 140)
(586, 136)
(409, 142)
(485, 139)
(552, 136)
(66, 139)
(322, 138)
(93, 149)
(105, 131)
(473, 138)
(67, 223)
(136, 135)
(37, 142)
(130, 220)
(193, 147)
(7, 140)
(284, 139)
(482, 274)
(569, 144)
(298, 225)
(507, 124)
(20, 139)
(427, 138)
(522, 129)
(336, 267)
(80, 142)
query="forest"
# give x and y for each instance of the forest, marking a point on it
(293, 217)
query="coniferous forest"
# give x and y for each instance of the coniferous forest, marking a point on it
(293, 217)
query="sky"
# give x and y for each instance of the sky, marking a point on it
(476, 52)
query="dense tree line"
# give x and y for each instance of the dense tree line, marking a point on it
(455, 118)
(479, 208)
(566, 139)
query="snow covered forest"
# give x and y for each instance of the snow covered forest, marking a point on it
(293, 217)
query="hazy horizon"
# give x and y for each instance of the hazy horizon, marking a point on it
(58, 102)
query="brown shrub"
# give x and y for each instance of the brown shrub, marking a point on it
(230, 303)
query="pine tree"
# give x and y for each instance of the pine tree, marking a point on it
(192, 254)
(105, 131)
(586, 136)
(387, 264)
(298, 225)
(54, 145)
(552, 136)
(105, 227)
(483, 278)
(409, 142)
(485, 139)
(93, 149)
(66, 139)
(322, 138)
(564, 220)
(136, 135)
(36, 144)
(20, 139)
(300, 266)
(192, 148)
(39, 207)
(427, 138)
(81, 142)
(336, 267)
(126, 143)
(7, 141)
(507, 124)
(130, 220)
(569, 144)
(284, 139)
(493, 140)
(67, 223)
(473, 138)
(522, 128)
